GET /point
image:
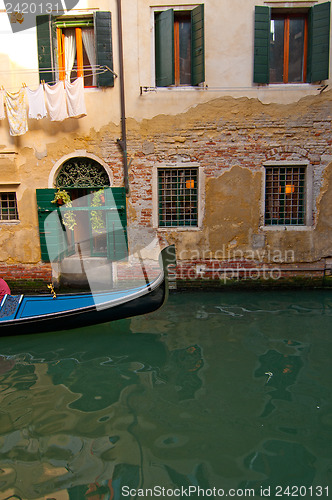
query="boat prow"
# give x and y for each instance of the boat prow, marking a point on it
(21, 314)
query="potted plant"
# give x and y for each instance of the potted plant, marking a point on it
(96, 216)
(62, 197)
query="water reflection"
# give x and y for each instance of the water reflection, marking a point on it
(214, 390)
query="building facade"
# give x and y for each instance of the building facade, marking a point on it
(210, 122)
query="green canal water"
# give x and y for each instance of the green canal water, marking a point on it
(217, 394)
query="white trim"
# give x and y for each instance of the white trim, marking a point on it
(81, 153)
(200, 196)
(308, 226)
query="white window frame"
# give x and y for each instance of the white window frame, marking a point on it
(10, 188)
(308, 197)
(200, 196)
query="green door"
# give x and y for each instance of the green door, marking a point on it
(116, 223)
(102, 221)
(55, 241)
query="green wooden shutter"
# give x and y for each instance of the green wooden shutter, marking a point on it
(52, 241)
(45, 48)
(116, 223)
(319, 42)
(197, 45)
(262, 44)
(104, 51)
(164, 48)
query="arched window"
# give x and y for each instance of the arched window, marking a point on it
(82, 172)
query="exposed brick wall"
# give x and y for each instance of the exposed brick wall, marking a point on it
(225, 134)
(12, 272)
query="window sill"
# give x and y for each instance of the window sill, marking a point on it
(286, 228)
(178, 228)
(291, 86)
(9, 222)
(180, 88)
(91, 89)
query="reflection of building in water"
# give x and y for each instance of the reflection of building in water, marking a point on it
(91, 430)
(171, 401)
(281, 371)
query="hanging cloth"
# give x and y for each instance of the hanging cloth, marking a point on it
(70, 52)
(2, 105)
(89, 45)
(36, 100)
(56, 101)
(75, 98)
(16, 112)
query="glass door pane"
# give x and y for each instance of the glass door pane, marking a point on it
(296, 50)
(277, 51)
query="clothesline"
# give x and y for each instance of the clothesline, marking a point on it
(58, 101)
(51, 68)
(99, 70)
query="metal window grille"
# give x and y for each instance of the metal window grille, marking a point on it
(178, 196)
(8, 206)
(285, 195)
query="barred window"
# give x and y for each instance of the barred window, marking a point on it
(177, 204)
(8, 206)
(285, 195)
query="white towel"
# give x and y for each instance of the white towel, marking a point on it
(56, 101)
(75, 98)
(36, 100)
(2, 106)
(16, 112)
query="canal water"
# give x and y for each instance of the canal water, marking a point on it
(216, 394)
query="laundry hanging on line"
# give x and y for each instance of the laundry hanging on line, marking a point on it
(75, 98)
(58, 101)
(36, 101)
(16, 112)
(2, 105)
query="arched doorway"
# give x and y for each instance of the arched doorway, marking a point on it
(99, 211)
(85, 180)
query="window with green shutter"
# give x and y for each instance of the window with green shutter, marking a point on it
(179, 47)
(291, 45)
(92, 39)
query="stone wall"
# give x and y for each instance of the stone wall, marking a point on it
(232, 139)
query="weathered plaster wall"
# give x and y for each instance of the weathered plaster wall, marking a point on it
(27, 170)
(232, 139)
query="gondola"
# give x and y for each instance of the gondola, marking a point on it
(21, 314)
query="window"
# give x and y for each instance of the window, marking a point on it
(71, 47)
(285, 195)
(76, 51)
(8, 207)
(292, 46)
(288, 48)
(178, 197)
(179, 47)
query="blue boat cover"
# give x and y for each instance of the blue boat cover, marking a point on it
(20, 306)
